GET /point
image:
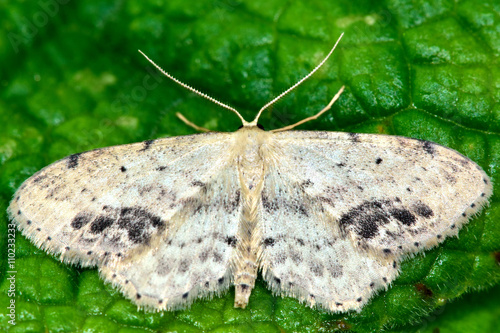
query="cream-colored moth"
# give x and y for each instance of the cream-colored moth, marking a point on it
(325, 216)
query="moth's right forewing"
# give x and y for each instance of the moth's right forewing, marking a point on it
(390, 195)
(341, 210)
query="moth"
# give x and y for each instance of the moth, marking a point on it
(326, 217)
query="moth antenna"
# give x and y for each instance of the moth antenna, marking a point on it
(326, 108)
(211, 99)
(254, 122)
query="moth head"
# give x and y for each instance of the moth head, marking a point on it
(258, 126)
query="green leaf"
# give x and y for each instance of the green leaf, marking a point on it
(73, 80)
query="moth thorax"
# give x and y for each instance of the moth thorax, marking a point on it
(250, 162)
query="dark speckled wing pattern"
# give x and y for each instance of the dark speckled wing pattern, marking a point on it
(342, 209)
(143, 213)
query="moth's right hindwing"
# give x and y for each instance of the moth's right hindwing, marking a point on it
(304, 255)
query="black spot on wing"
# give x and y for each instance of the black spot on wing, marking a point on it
(39, 178)
(404, 216)
(301, 208)
(307, 183)
(428, 146)
(231, 241)
(81, 220)
(378, 160)
(354, 137)
(423, 210)
(365, 219)
(147, 144)
(269, 242)
(72, 160)
(198, 183)
(100, 224)
(137, 222)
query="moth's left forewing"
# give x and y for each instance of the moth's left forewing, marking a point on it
(158, 217)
